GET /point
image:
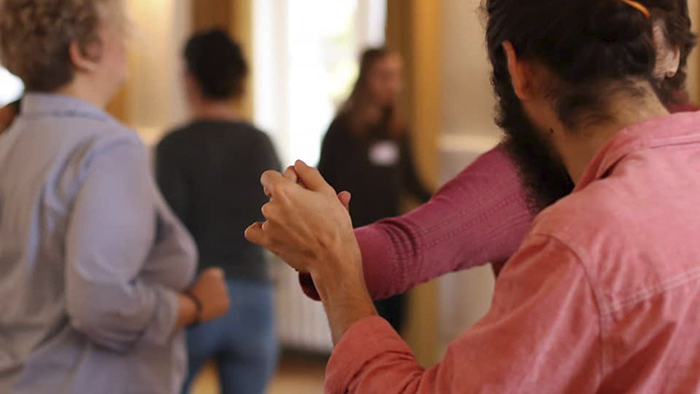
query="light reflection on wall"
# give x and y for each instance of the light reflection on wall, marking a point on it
(11, 88)
(155, 94)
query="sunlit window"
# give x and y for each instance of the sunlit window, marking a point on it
(11, 87)
(306, 62)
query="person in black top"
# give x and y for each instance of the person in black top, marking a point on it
(209, 173)
(367, 151)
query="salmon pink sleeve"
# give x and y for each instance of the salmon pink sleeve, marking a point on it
(542, 335)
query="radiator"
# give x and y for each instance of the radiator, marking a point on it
(301, 323)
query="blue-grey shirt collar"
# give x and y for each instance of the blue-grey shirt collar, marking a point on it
(48, 104)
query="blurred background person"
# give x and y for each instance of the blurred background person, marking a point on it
(367, 151)
(94, 268)
(209, 173)
(8, 114)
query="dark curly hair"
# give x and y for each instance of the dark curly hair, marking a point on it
(591, 47)
(217, 64)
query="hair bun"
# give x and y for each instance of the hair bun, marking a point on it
(614, 20)
(622, 44)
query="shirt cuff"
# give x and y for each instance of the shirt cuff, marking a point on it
(162, 324)
(379, 260)
(362, 343)
(308, 286)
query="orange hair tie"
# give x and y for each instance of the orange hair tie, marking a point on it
(639, 6)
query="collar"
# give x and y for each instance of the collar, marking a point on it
(678, 129)
(56, 105)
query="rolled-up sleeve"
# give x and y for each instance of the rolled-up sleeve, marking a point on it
(541, 335)
(110, 235)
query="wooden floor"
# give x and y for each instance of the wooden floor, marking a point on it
(297, 374)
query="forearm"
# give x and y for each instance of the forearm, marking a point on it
(479, 217)
(119, 317)
(343, 293)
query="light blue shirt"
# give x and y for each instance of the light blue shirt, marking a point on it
(91, 258)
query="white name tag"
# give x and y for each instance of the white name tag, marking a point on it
(384, 154)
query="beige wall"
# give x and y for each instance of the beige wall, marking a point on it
(153, 99)
(467, 95)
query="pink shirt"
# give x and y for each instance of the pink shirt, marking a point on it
(602, 296)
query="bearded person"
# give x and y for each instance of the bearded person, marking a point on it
(600, 294)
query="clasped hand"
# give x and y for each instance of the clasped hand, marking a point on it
(308, 226)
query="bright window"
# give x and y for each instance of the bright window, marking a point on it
(11, 87)
(305, 64)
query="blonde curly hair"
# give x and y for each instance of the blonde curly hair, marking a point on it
(35, 36)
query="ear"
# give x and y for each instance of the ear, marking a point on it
(670, 62)
(81, 61)
(520, 73)
(668, 57)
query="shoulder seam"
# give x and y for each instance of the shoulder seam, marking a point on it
(596, 298)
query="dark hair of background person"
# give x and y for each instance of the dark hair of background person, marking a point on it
(616, 53)
(355, 108)
(217, 64)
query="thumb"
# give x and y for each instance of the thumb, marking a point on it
(311, 178)
(345, 198)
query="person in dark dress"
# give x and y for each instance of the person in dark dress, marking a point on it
(209, 173)
(367, 151)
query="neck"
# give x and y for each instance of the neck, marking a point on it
(83, 91)
(579, 147)
(215, 110)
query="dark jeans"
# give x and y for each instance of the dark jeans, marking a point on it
(243, 343)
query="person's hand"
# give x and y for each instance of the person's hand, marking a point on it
(211, 291)
(305, 279)
(308, 226)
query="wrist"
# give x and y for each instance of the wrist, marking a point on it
(197, 302)
(336, 272)
(187, 311)
(341, 287)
